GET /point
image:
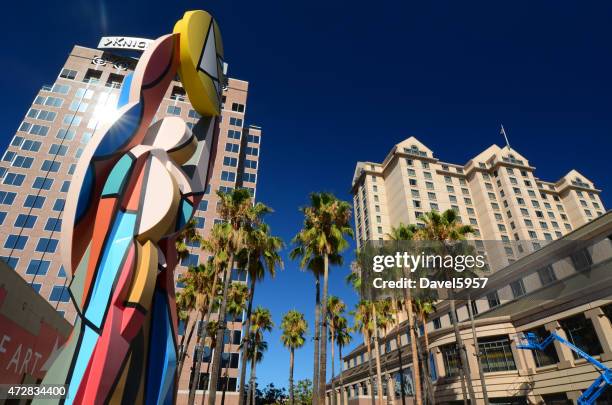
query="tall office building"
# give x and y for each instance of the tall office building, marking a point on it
(36, 169)
(496, 192)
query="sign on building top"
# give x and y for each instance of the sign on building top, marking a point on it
(137, 44)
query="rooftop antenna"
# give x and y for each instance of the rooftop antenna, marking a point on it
(503, 132)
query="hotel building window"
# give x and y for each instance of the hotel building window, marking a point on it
(545, 357)
(496, 354)
(450, 356)
(580, 332)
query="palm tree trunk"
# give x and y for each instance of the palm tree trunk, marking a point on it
(245, 344)
(323, 341)
(431, 393)
(231, 347)
(291, 360)
(341, 375)
(333, 399)
(461, 348)
(200, 343)
(197, 364)
(252, 390)
(184, 346)
(370, 372)
(398, 343)
(317, 337)
(485, 396)
(377, 351)
(413, 346)
(212, 392)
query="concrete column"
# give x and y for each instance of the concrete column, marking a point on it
(566, 358)
(345, 394)
(391, 389)
(525, 364)
(470, 351)
(602, 326)
(573, 396)
(439, 362)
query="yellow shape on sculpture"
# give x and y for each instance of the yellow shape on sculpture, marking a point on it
(201, 55)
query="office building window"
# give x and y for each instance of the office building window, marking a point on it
(250, 164)
(228, 176)
(53, 224)
(47, 245)
(25, 221)
(42, 183)
(252, 151)
(232, 147)
(235, 121)
(59, 293)
(33, 201)
(16, 242)
(250, 177)
(236, 107)
(173, 110)
(38, 267)
(230, 161)
(14, 179)
(68, 74)
(50, 166)
(233, 134)
(253, 138)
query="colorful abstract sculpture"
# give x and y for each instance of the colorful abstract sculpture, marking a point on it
(135, 187)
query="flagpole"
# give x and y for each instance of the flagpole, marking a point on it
(503, 132)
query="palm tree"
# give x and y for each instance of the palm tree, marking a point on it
(405, 233)
(237, 297)
(186, 298)
(237, 211)
(326, 223)
(335, 310)
(294, 328)
(261, 256)
(216, 243)
(255, 354)
(185, 305)
(385, 310)
(444, 228)
(211, 331)
(343, 338)
(423, 307)
(364, 323)
(187, 237)
(261, 321)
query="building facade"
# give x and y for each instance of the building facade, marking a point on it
(497, 192)
(36, 169)
(565, 288)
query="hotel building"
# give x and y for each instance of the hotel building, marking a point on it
(36, 169)
(554, 275)
(496, 192)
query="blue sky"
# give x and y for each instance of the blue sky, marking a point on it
(333, 82)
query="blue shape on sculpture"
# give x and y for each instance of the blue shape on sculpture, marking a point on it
(115, 249)
(185, 212)
(118, 176)
(86, 348)
(120, 133)
(162, 360)
(124, 95)
(85, 193)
